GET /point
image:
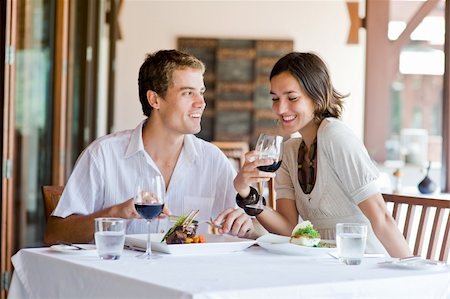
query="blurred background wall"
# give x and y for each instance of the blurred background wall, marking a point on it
(319, 26)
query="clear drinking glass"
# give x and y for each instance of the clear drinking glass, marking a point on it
(268, 147)
(351, 241)
(149, 203)
(109, 237)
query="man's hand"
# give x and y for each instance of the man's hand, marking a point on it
(125, 210)
(234, 222)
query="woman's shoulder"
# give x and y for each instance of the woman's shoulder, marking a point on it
(332, 129)
(332, 125)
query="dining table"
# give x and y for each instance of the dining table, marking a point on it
(252, 272)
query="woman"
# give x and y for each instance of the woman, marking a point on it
(326, 176)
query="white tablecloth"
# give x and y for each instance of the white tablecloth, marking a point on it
(253, 273)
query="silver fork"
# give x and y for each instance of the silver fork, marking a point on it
(71, 245)
(211, 223)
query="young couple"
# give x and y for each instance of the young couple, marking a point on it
(197, 175)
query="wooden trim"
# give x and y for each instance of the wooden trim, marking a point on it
(68, 162)
(445, 173)
(7, 224)
(114, 35)
(117, 13)
(417, 200)
(405, 36)
(379, 61)
(355, 22)
(60, 85)
(91, 74)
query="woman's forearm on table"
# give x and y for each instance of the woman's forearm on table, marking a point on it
(384, 226)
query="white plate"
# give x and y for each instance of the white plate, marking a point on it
(280, 245)
(418, 264)
(90, 249)
(214, 244)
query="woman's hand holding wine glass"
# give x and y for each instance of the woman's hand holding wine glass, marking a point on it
(149, 203)
(267, 149)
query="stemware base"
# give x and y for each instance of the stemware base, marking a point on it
(148, 256)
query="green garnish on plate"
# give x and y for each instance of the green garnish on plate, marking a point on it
(179, 222)
(307, 231)
(184, 221)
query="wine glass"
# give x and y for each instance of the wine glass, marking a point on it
(149, 203)
(268, 147)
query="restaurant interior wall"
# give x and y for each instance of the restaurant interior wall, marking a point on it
(319, 26)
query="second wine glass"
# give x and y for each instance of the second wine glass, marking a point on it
(268, 147)
(149, 203)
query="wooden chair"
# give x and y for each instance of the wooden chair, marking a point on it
(51, 195)
(430, 228)
(235, 150)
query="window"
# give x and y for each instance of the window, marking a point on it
(406, 93)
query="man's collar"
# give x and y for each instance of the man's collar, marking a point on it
(136, 144)
(189, 148)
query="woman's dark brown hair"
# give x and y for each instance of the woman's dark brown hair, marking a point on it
(313, 77)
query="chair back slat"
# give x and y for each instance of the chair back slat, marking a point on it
(411, 211)
(435, 230)
(272, 194)
(421, 230)
(397, 211)
(51, 195)
(427, 233)
(443, 256)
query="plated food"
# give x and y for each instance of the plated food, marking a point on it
(215, 244)
(304, 234)
(184, 231)
(282, 245)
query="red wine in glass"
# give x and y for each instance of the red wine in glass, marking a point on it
(270, 168)
(268, 147)
(149, 211)
(149, 203)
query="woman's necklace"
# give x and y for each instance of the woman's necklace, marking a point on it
(306, 171)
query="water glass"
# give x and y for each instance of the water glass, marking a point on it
(109, 237)
(351, 242)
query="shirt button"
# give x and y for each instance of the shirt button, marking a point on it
(162, 231)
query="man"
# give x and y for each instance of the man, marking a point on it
(197, 174)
